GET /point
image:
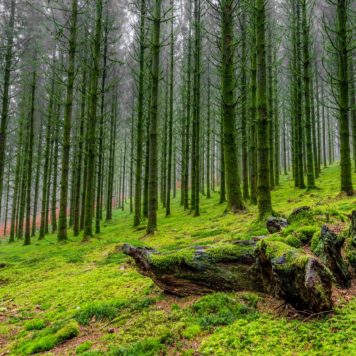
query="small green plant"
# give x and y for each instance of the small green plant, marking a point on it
(48, 338)
(147, 347)
(85, 346)
(109, 310)
(35, 324)
(191, 331)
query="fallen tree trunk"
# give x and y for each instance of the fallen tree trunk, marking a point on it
(264, 266)
(330, 255)
(200, 270)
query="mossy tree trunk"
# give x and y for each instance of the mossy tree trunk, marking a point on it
(140, 118)
(343, 87)
(8, 63)
(307, 98)
(29, 157)
(153, 149)
(271, 267)
(171, 113)
(228, 99)
(92, 118)
(67, 127)
(264, 193)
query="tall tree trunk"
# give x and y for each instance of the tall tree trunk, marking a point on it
(170, 122)
(244, 143)
(79, 157)
(45, 185)
(100, 152)
(307, 97)
(63, 201)
(140, 119)
(343, 96)
(264, 193)
(228, 98)
(29, 159)
(152, 175)
(253, 115)
(195, 161)
(92, 118)
(6, 92)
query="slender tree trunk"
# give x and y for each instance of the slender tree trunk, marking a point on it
(37, 182)
(264, 194)
(152, 175)
(6, 92)
(29, 160)
(244, 143)
(91, 136)
(307, 97)
(140, 119)
(343, 97)
(228, 98)
(170, 122)
(63, 201)
(100, 153)
(208, 140)
(253, 115)
(45, 185)
(113, 131)
(55, 172)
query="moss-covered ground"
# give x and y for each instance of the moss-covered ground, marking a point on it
(85, 298)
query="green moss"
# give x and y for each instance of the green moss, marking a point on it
(164, 261)
(305, 233)
(67, 332)
(148, 347)
(43, 344)
(226, 251)
(289, 240)
(85, 346)
(316, 244)
(35, 324)
(48, 338)
(277, 251)
(191, 331)
(219, 309)
(54, 282)
(209, 233)
(109, 310)
(293, 241)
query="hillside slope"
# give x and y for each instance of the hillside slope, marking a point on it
(88, 299)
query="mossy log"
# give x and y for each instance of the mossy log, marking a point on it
(330, 254)
(352, 232)
(351, 243)
(261, 266)
(200, 270)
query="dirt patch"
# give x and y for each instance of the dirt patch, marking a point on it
(169, 300)
(340, 296)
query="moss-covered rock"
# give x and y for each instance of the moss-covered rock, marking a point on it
(305, 233)
(300, 213)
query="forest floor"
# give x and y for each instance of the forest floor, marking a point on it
(85, 298)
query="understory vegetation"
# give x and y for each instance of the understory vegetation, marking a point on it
(88, 299)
